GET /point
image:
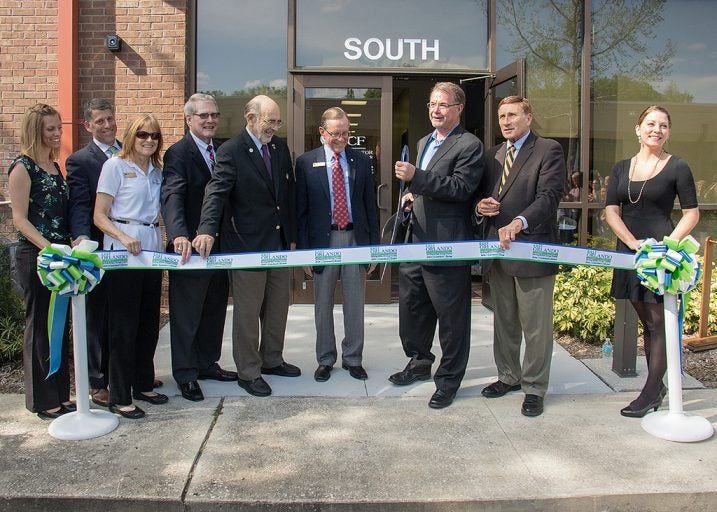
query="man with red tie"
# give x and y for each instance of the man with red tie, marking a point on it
(336, 207)
(197, 298)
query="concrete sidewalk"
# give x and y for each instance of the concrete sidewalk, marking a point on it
(346, 445)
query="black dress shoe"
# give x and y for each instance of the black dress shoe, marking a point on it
(323, 373)
(532, 405)
(283, 370)
(411, 373)
(68, 407)
(134, 414)
(441, 399)
(218, 373)
(498, 389)
(191, 391)
(357, 372)
(256, 387)
(156, 399)
(47, 415)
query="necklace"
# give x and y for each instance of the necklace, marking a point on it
(650, 176)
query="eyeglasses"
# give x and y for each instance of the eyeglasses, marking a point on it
(207, 115)
(142, 135)
(342, 135)
(274, 123)
(440, 106)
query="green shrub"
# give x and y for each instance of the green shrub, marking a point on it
(583, 307)
(12, 313)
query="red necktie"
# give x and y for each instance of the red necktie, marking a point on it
(212, 159)
(341, 210)
(265, 156)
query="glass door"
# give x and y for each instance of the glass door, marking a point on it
(508, 81)
(367, 100)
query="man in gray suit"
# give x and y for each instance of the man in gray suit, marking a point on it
(449, 169)
(336, 207)
(521, 189)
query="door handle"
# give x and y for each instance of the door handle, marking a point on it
(378, 196)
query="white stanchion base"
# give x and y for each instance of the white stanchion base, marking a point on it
(76, 426)
(677, 427)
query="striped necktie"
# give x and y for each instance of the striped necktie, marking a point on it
(507, 164)
(111, 151)
(212, 158)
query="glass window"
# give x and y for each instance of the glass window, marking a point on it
(647, 53)
(392, 34)
(548, 35)
(242, 52)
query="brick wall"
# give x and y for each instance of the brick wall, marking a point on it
(28, 74)
(147, 76)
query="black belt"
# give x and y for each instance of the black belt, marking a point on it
(349, 227)
(136, 222)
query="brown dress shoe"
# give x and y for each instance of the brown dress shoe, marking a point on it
(100, 397)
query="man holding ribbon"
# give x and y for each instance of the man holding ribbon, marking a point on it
(83, 172)
(336, 207)
(520, 190)
(447, 174)
(250, 200)
(197, 298)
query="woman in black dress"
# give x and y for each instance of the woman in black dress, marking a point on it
(640, 197)
(40, 198)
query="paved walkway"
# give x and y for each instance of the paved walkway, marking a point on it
(346, 445)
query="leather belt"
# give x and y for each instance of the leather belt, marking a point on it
(349, 227)
(135, 222)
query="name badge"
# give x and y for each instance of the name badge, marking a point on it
(130, 174)
(319, 164)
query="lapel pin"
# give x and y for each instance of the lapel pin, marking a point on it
(251, 150)
(273, 146)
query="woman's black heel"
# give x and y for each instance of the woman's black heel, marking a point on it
(639, 413)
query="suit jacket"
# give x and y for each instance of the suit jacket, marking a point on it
(83, 171)
(259, 211)
(313, 200)
(184, 177)
(444, 190)
(533, 190)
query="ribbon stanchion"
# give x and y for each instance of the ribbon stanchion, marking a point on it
(73, 273)
(669, 269)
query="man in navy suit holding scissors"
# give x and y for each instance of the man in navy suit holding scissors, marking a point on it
(335, 207)
(443, 181)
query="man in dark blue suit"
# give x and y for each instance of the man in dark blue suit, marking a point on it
(250, 204)
(197, 298)
(334, 182)
(447, 173)
(83, 171)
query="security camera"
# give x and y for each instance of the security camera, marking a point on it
(113, 43)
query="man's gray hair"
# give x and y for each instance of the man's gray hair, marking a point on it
(190, 107)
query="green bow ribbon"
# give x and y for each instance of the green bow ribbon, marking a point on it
(66, 272)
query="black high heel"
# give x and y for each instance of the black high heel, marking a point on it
(639, 413)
